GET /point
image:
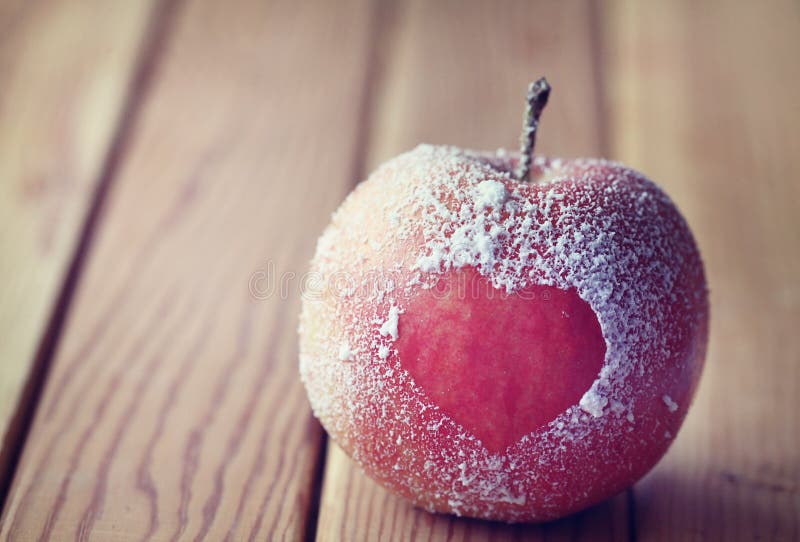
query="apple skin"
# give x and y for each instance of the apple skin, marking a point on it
(504, 350)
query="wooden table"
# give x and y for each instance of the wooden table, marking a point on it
(157, 155)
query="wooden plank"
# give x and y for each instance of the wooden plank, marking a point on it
(174, 409)
(456, 73)
(64, 70)
(705, 101)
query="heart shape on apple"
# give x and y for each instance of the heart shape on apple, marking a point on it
(501, 336)
(460, 342)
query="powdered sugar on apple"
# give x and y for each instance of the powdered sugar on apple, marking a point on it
(389, 327)
(446, 209)
(565, 255)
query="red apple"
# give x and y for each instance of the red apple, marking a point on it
(504, 346)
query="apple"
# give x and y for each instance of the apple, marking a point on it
(504, 336)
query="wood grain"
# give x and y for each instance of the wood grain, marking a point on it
(704, 101)
(457, 73)
(65, 69)
(173, 409)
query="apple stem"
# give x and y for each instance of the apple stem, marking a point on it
(538, 92)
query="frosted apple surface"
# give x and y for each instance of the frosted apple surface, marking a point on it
(504, 350)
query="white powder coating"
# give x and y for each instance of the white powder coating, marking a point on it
(604, 231)
(489, 194)
(594, 403)
(345, 354)
(389, 327)
(671, 405)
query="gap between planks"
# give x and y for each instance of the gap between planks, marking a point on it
(379, 48)
(125, 189)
